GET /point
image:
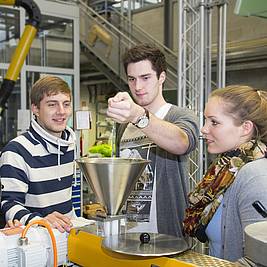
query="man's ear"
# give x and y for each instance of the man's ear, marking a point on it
(35, 110)
(162, 77)
(248, 127)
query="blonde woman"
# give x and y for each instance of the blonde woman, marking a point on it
(221, 204)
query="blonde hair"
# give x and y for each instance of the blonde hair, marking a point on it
(246, 103)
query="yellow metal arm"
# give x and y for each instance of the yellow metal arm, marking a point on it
(7, 2)
(21, 52)
(22, 49)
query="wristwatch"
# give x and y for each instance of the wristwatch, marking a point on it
(142, 121)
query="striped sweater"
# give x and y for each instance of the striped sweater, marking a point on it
(36, 170)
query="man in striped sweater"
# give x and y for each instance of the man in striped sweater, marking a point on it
(36, 168)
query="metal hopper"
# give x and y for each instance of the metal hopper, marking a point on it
(112, 179)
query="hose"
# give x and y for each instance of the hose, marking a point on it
(50, 231)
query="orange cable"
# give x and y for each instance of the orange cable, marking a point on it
(50, 231)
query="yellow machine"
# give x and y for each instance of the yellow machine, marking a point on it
(86, 250)
(98, 32)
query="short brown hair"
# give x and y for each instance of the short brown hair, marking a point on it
(246, 103)
(48, 85)
(146, 52)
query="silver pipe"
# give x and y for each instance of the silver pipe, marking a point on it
(224, 45)
(221, 51)
(208, 81)
(201, 87)
(180, 54)
(208, 44)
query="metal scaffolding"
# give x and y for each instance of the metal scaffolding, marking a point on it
(195, 68)
(195, 64)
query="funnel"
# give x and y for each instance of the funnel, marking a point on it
(112, 179)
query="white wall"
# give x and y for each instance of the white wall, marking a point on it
(89, 136)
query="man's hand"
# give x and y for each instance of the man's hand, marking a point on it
(59, 221)
(13, 224)
(12, 227)
(122, 109)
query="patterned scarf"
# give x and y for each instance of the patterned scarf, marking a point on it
(208, 194)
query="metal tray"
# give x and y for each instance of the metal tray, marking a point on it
(159, 245)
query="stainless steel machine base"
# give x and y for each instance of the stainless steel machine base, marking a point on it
(159, 244)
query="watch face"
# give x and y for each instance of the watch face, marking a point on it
(143, 122)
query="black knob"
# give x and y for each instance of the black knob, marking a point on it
(144, 238)
(260, 208)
